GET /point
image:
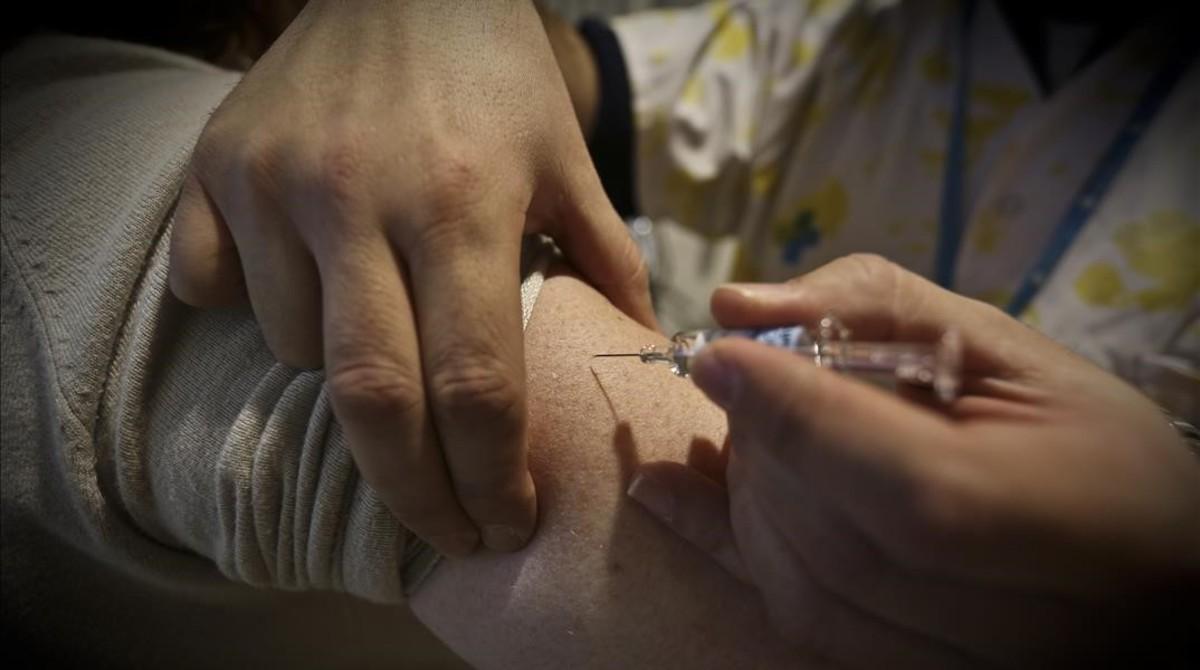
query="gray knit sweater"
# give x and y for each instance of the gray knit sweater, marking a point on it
(157, 462)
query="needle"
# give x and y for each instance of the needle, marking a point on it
(648, 354)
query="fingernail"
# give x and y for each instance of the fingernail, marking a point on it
(760, 291)
(504, 538)
(715, 377)
(456, 545)
(652, 495)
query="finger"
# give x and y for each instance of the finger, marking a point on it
(373, 371)
(205, 270)
(1009, 627)
(878, 300)
(813, 617)
(691, 505)
(837, 434)
(598, 244)
(810, 614)
(285, 291)
(709, 460)
(472, 348)
(896, 470)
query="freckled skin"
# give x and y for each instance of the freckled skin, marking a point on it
(602, 584)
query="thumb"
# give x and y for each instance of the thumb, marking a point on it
(205, 270)
(691, 505)
(597, 243)
(879, 300)
(834, 434)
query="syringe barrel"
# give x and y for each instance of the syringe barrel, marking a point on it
(687, 344)
(938, 366)
(932, 365)
(877, 356)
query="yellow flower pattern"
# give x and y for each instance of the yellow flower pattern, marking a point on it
(1163, 248)
(685, 194)
(732, 41)
(802, 54)
(1100, 285)
(693, 91)
(732, 38)
(993, 107)
(821, 7)
(817, 128)
(763, 179)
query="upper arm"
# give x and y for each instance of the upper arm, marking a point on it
(601, 584)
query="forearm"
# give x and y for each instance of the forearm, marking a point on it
(602, 584)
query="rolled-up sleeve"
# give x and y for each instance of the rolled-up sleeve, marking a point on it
(224, 452)
(150, 436)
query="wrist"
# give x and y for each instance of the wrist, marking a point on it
(578, 67)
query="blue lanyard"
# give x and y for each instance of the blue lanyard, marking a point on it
(1085, 201)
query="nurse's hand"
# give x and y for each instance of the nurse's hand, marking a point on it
(368, 184)
(1048, 516)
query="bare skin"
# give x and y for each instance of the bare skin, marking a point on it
(601, 585)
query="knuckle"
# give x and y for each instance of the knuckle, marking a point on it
(261, 164)
(480, 387)
(452, 172)
(870, 270)
(342, 166)
(361, 391)
(445, 200)
(868, 263)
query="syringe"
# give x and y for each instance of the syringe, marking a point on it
(937, 366)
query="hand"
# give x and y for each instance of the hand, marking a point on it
(368, 184)
(1047, 516)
